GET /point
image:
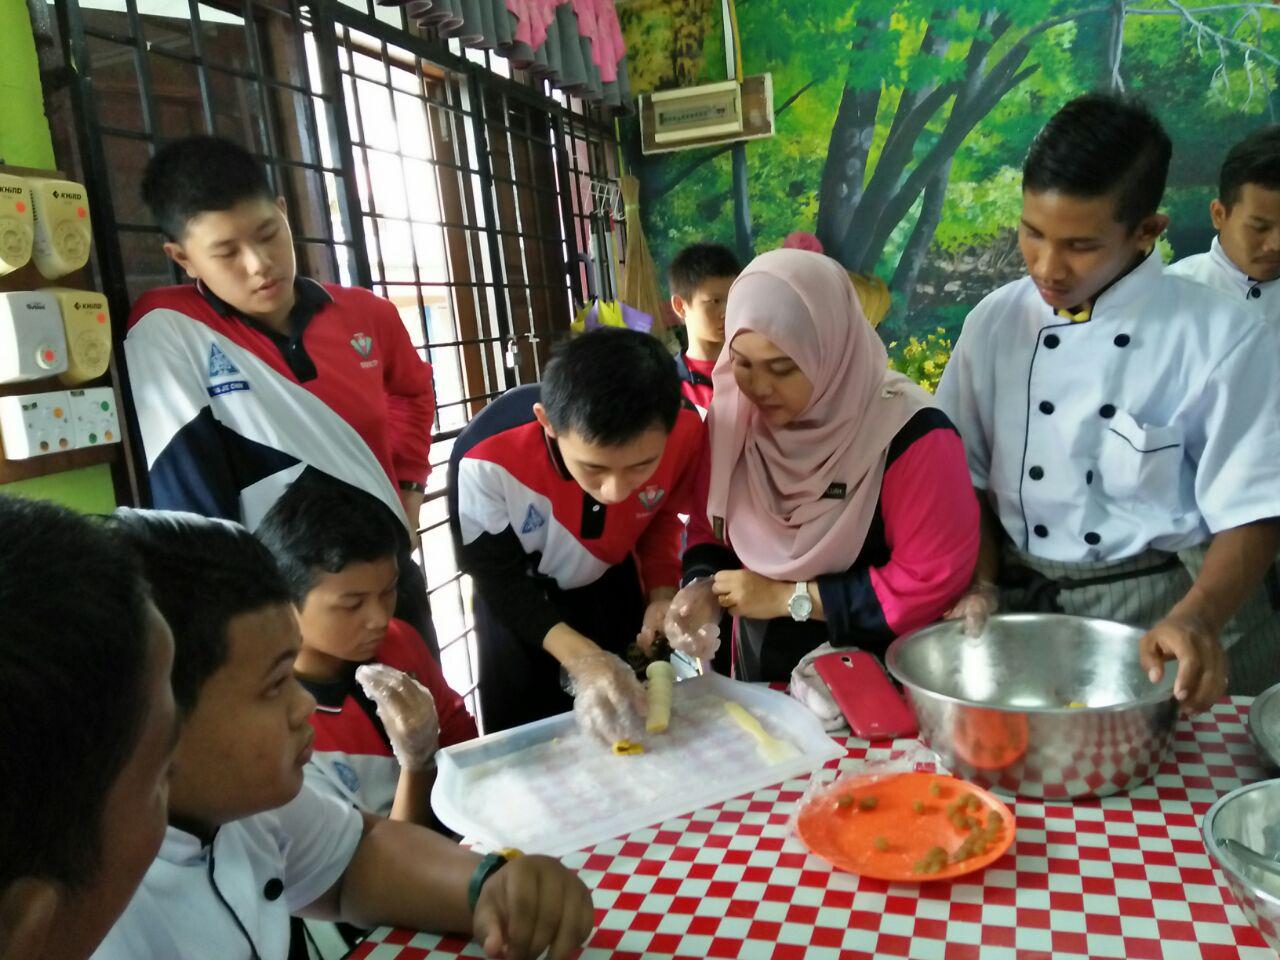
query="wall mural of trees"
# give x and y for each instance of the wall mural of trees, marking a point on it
(901, 127)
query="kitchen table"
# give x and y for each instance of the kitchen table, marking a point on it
(1127, 876)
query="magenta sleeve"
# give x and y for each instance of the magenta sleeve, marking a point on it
(931, 526)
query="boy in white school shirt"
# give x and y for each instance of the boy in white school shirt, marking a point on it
(90, 725)
(1244, 259)
(1115, 416)
(248, 845)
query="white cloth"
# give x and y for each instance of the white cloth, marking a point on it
(265, 867)
(1152, 425)
(1217, 270)
(811, 690)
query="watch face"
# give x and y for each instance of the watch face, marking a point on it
(801, 606)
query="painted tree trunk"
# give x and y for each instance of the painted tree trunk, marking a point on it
(917, 248)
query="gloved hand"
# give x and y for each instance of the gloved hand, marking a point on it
(655, 616)
(608, 700)
(976, 607)
(693, 620)
(406, 710)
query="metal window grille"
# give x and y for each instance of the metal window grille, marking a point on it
(427, 172)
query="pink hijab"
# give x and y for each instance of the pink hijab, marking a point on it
(778, 491)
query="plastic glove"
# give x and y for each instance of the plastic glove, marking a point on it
(811, 690)
(693, 620)
(976, 607)
(406, 710)
(608, 700)
(655, 617)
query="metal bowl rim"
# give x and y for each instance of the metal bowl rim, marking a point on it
(1224, 859)
(1155, 697)
(1257, 708)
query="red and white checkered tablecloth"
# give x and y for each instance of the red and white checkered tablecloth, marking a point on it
(1127, 876)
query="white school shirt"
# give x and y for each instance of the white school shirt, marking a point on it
(1155, 423)
(201, 902)
(1217, 270)
(365, 782)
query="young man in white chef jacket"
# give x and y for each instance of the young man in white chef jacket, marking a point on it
(1244, 259)
(1115, 415)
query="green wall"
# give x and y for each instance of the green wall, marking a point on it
(24, 135)
(25, 142)
(895, 174)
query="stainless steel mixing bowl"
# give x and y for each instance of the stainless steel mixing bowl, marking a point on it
(1250, 815)
(1040, 705)
(1264, 724)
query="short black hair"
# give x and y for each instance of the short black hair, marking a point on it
(321, 524)
(611, 385)
(1101, 144)
(1256, 160)
(195, 175)
(697, 263)
(203, 573)
(74, 652)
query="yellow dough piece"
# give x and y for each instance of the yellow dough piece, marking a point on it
(662, 679)
(771, 748)
(625, 748)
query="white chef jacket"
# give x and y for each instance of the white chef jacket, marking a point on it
(1215, 268)
(265, 867)
(1155, 423)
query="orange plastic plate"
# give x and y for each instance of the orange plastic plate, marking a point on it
(846, 836)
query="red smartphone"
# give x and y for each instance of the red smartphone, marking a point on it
(866, 696)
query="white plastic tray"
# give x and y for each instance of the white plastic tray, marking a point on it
(548, 788)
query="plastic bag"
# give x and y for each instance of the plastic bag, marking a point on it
(611, 313)
(878, 764)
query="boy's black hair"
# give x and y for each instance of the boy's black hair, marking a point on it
(699, 262)
(610, 385)
(1256, 160)
(1102, 144)
(203, 573)
(321, 524)
(74, 651)
(194, 175)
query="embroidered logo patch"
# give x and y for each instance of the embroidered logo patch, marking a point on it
(220, 364)
(362, 343)
(837, 491)
(651, 496)
(230, 386)
(220, 367)
(350, 779)
(533, 520)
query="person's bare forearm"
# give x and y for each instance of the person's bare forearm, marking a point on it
(404, 875)
(412, 803)
(567, 644)
(987, 569)
(1234, 565)
(661, 594)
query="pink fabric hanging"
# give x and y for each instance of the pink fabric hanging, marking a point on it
(598, 20)
(532, 19)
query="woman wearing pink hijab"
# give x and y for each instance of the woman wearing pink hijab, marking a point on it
(839, 506)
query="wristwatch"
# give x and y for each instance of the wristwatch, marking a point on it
(408, 485)
(800, 606)
(486, 869)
